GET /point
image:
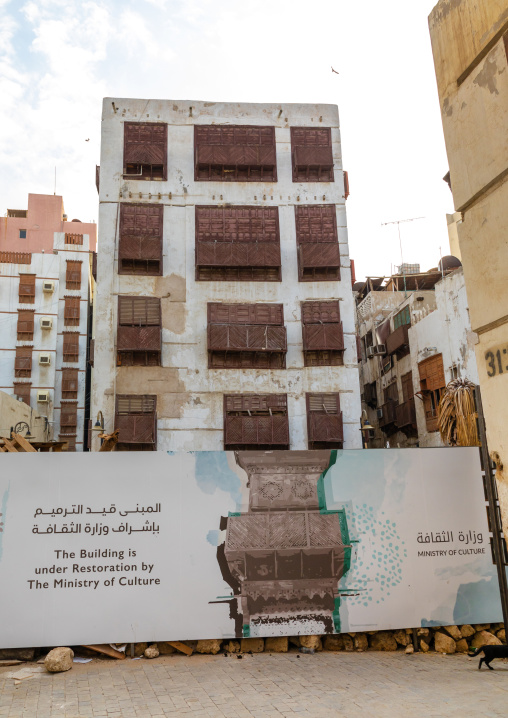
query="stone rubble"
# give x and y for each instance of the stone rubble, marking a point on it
(59, 660)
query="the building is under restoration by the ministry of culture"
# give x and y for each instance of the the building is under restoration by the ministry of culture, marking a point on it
(224, 314)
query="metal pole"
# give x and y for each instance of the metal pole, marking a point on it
(493, 509)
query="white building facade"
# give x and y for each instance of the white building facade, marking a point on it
(225, 313)
(44, 300)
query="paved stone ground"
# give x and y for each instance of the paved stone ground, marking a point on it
(265, 685)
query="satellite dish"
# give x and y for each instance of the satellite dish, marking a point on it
(449, 262)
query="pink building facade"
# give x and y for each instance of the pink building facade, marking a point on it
(32, 229)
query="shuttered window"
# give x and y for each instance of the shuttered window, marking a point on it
(22, 391)
(70, 346)
(317, 241)
(324, 421)
(73, 274)
(256, 421)
(23, 362)
(25, 327)
(432, 383)
(71, 311)
(402, 318)
(323, 338)
(391, 393)
(136, 421)
(407, 386)
(141, 239)
(139, 337)
(246, 336)
(70, 383)
(68, 417)
(145, 150)
(26, 288)
(229, 153)
(311, 154)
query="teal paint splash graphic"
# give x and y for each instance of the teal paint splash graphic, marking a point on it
(213, 472)
(3, 514)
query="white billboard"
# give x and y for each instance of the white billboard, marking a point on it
(120, 547)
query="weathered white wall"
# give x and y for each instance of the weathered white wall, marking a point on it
(12, 411)
(46, 267)
(189, 395)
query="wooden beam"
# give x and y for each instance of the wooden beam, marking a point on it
(8, 445)
(181, 647)
(24, 443)
(106, 650)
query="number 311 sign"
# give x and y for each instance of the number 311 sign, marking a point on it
(497, 361)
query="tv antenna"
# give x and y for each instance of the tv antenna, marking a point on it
(398, 222)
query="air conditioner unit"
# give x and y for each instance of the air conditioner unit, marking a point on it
(46, 323)
(370, 352)
(48, 286)
(379, 350)
(45, 358)
(42, 397)
(379, 413)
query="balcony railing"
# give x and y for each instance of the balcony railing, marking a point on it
(257, 430)
(251, 338)
(326, 427)
(397, 340)
(138, 338)
(238, 254)
(323, 337)
(389, 414)
(406, 414)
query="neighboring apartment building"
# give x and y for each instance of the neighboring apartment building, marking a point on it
(412, 343)
(44, 313)
(225, 313)
(470, 47)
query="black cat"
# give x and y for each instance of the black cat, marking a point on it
(489, 653)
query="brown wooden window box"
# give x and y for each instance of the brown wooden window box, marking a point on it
(71, 238)
(70, 439)
(317, 240)
(145, 150)
(324, 421)
(398, 341)
(432, 384)
(71, 311)
(141, 239)
(256, 422)
(311, 154)
(22, 391)
(246, 336)
(323, 337)
(70, 346)
(25, 326)
(405, 415)
(230, 153)
(73, 274)
(389, 414)
(23, 362)
(68, 417)
(70, 384)
(139, 336)
(26, 288)
(136, 420)
(370, 394)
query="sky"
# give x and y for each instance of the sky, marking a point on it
(59, 58)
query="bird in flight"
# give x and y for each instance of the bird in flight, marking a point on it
(88, 140)
(335, 71)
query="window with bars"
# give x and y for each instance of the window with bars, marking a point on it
(25, 327)
(70, 346)
(324, 421)
(238, 244)
(317, 242)
(23, 362)
(139, 337)
(246, 336)
(26, 288)
(311, 154)
(256, 421)
(136, 421)
(73, 274)
(323, 338)
(71, 311)
(145, 150)
(70, 383)
(141, 239)
(234, 153)
(22, 391)
(432, 384)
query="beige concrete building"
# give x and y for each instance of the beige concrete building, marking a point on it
(225, 313)
(470, 47)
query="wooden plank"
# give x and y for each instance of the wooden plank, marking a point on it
(106, 650)
(181, 647)
(24, 443)
(8, 445)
